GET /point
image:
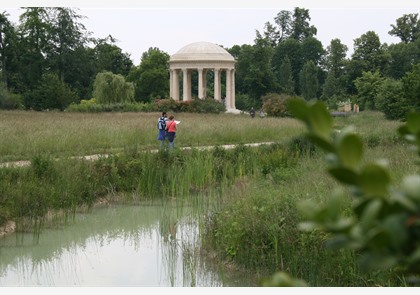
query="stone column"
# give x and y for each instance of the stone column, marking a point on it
(233, 90)
(228, 89)
(188, 85)
(175, 85)
(217, 90)
(204, 83)
(171, 83)
(200, 83)
(185, 89)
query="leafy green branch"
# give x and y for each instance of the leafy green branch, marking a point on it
(384, 225)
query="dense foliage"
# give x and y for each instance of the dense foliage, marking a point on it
(286, 58)
(383, 226)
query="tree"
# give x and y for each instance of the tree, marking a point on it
(369, 55)
(6, 32)
(50, 93)
(271, 34)
(313, 50)
(300, 28)
(309, 80)
(152, 76)
(367, 89)
(111, 88)
(407, 28)
(9, 56)
(285, 77)
(335, 62)
(260, 78)
(336, 57)
(370, 52)
(402, 57)
(284, 23)
(390, 100)
(66, 37)
(411, 87)
(292, 49)
(331, 88)
(35, 30)
(109, 57)
(243, 54)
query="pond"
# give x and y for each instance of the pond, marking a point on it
(149, 245)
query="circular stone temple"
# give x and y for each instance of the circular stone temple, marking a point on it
(202, 57)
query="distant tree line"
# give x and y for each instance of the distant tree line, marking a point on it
(286, 58)
(49, 61)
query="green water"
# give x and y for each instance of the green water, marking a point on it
(117, 245)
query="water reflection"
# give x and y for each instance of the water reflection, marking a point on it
(121, 245)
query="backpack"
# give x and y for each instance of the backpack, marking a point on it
(161, 123)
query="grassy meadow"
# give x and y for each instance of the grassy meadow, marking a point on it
(253, 228)
(27, 134)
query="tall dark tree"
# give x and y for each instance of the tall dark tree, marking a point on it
(4, 25)
(292, 49)
(336, 56)
(109, 57)
(391, 101)
(260, 75)
(331, 88)
(313, 50)
(309, 80)
(411, 87)
(271, 34)
(402, 57)
(6, 29)
(35, 29)
(335, 62)
(244, 56)
(151, 76)
(285, 77)
(284, 23)
(369, 55)
(369, 50)
(67, 35)
(368, 86)
(50, 93)
(407, 28)
(301, 29)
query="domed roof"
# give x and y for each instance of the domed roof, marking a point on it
(202, 51)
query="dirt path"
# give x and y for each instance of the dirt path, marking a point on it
(98, 156)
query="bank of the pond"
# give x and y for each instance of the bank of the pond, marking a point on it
(37, 188)
(9, 227)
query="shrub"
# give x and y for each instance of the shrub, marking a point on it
(10, 101)
(51, 93)
(244, 102)
(112, 88)
(162, 105)
(390, 100)
(207, 105)
(275, 105)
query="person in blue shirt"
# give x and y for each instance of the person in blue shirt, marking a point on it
(162, 129)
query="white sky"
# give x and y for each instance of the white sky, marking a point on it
(169, 26)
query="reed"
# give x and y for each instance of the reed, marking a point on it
(252, 192)
(257, 227)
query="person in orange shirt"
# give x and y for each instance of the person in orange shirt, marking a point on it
(171, 131)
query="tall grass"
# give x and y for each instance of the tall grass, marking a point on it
(257, 228)
(25, 134)
(254, 223)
